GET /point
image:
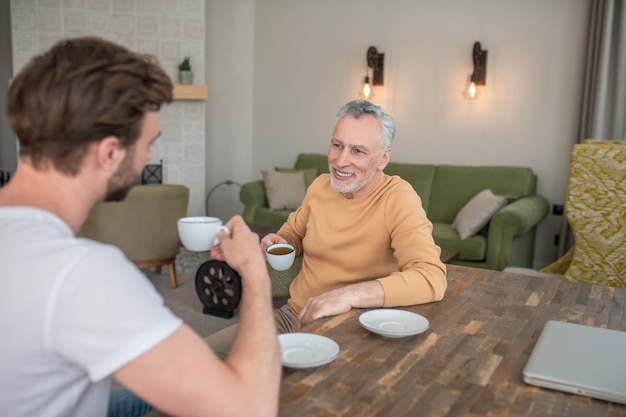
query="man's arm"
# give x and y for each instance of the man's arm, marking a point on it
(362, 295)
(181, 375)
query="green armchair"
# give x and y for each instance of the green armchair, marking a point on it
(143, 226)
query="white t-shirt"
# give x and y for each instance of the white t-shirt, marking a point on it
(72, 311)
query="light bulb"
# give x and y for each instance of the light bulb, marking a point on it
(366, 89)
(471, 90)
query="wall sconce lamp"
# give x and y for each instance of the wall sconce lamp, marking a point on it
(478, 77)
(376, 62)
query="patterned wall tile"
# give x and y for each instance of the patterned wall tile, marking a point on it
(193, 132)
(148, 46)
(23, 3)
(123, 24)
(194, 154)
(196, 202)
(172, 174)
(193, 29)
(48, 3)
(170, 28)
(74, 22)
(173, 153)
(172, 113)
(194, 112)
(191, 7)
(99, 23)
(167, 29)
(123, 5)
(169, 7)
(46, 40)
(24, 19)
(26, 43)
(128, 42)
(146, 7)
(148, 26)
(172, 131)
(49, 20)
(194, 176)
(74, 4)
(196, 50)
(103, 5)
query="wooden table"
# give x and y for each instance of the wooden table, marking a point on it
(448, 256)
(470, 361)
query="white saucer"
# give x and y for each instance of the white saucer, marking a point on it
(393, 323)
(307, 350)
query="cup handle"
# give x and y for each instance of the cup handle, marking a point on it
(221, 228)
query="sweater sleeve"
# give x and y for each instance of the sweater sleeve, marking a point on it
(422, 276)
(296, 224)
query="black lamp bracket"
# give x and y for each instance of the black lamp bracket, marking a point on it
(376, 62)
(479, 56)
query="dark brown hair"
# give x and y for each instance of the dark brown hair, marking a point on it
(79, 92)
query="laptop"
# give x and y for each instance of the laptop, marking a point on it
(579, 359)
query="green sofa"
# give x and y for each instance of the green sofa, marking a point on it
(507, 240)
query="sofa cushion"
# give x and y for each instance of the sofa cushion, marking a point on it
(309, 173)
(471, 249)
(476, 213)
(419, 176)
(454, 186)
(263, 216)
(285, 191)
(312, 160)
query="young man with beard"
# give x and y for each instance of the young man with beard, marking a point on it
(73, 312)
(365, 237)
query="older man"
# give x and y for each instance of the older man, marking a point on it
(365, 237)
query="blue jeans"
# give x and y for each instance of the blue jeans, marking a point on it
(123, 403)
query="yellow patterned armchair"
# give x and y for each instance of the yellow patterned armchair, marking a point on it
(595, 207)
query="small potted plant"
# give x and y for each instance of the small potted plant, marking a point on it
(185, 75)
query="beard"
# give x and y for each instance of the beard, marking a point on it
(355, 185)
(123, 180)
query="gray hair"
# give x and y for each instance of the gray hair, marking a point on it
(358, 108)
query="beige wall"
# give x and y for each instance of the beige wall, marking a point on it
(308, 59)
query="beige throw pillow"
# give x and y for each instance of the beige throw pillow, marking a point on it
(477, 213)
(285, 191)
(309, 173)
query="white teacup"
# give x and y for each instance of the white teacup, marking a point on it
(280, 256)
(199, 233)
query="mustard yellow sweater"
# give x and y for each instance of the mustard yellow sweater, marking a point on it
(385, 236)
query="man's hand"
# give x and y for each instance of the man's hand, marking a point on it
(273, 238)
(240, 248)
(341, 300)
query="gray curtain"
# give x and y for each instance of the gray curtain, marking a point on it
(603, 113)
(8, 142)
